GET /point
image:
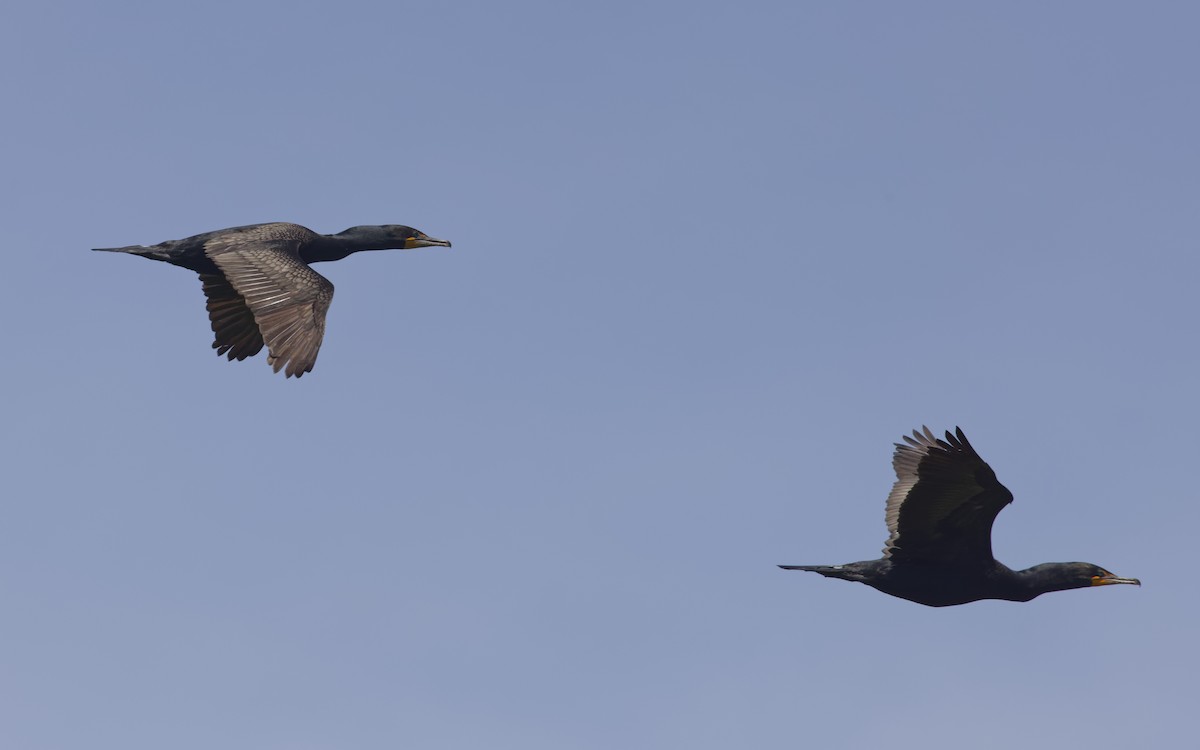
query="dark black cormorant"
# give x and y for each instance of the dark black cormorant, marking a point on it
(260, 288)
(939, 551)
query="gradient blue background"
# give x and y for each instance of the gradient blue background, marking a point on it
(709, 262)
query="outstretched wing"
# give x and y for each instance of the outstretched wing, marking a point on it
(944, 502)
(287, 298)
(235, 331)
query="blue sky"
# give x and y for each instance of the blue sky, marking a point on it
(709, 262)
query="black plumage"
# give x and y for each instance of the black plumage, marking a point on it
(260, 288)
(939, 548)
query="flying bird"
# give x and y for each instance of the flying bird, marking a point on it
(939, 548)
(260, 288)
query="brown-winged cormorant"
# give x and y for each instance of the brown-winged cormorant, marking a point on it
(939, 550)
(260, 288)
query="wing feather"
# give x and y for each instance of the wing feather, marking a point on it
(944, 502)
(288, 300)
(235, 333)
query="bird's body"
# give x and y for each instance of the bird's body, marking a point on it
(939, 585)
(259, 286)
(939, 550)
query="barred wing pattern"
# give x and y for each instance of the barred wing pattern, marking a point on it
(287, 298)
(235, 331)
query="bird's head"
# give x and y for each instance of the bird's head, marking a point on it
(390, 237)
(1076, 575)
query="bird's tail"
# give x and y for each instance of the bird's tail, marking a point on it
(829, 571)
(132, 249)
(156, 252)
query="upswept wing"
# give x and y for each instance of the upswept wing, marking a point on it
(944, 502)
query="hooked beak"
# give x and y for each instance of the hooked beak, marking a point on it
(1111, 579)
(413, 242)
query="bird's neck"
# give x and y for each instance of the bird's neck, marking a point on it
(1044, 578)
(331, 247)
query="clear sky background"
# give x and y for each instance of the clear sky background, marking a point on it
(710, 261)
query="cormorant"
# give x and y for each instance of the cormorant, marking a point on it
(260, 288)
(939, 550)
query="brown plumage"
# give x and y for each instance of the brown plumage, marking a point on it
(260, 288)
